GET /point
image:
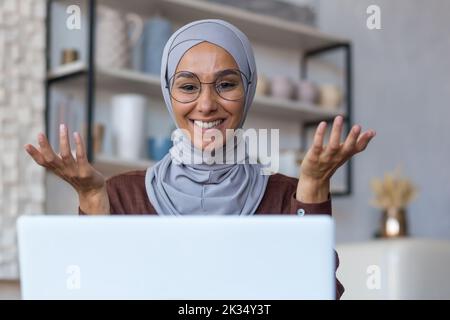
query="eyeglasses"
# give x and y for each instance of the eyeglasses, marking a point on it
(185, 86)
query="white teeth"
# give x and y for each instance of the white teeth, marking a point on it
(207, 125)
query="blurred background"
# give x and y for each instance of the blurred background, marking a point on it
(95, 66)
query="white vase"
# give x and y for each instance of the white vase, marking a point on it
(282, 87)
(157, 31)
(307, 92)
(129, 131)
(262, 86)
(330, 96)
(113, 40)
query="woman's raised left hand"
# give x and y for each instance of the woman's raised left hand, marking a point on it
(321, 162)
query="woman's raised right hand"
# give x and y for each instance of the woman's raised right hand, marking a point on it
(78, 172)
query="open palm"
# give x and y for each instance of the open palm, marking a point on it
(78, 172)
(321, 162)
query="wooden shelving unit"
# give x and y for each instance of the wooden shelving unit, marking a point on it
(260, 28)
(150, 85)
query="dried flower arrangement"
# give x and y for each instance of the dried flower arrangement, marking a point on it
(393, 191)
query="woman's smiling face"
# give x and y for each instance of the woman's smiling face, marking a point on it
(209, 110)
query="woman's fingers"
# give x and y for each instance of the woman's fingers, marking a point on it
(354, 143)
(335, 136)
(47, 152)
(80, 150)
(82, 161)
(318, 138)
(78, 173)
(64, 147)
(364, 140)
(350, 142)
(36, 155)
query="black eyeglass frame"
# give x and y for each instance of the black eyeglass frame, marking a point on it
(215, 87)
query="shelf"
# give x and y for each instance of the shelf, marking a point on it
(258, 27)
(117, 80)
(293, 110)
(67, 71)
(108, 165)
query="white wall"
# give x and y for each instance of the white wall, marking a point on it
(402, 90)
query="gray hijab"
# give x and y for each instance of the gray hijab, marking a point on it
(176, 186)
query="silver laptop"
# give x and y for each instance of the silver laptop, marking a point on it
(151, 257)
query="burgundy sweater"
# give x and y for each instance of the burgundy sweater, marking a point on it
(127, 195)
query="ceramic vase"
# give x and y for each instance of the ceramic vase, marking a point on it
(330, 96)
(129, 131)
(113, 39)
(393, 223)
(282, 87)
(307, 92)
(262, 86)
(157, 31)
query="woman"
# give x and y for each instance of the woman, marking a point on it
(208, 79)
